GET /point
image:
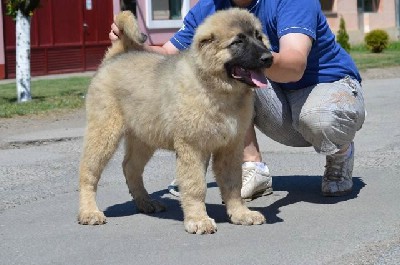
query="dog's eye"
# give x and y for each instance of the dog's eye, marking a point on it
(241, 36)
(239, 39)
(258, 35)
(236, 41)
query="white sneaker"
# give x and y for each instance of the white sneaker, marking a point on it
(256, 180)
(173, 188)
(337, 180)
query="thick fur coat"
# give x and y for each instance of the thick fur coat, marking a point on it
(198, 103)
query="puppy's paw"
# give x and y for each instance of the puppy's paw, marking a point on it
(149, 206)
(247, 217)
(199, 226)
(91, 218)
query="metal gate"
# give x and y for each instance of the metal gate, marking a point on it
(66, 36)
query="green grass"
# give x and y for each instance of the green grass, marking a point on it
(47, 96)
(365, 59)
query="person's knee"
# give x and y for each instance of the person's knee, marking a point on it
(329, 126)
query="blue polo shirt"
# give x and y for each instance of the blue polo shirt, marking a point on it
(327, 61)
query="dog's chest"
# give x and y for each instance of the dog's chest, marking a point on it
(212, 121)
(224, 131)
(216, 129)
(222, 127)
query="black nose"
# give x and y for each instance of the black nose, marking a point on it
(267, 58)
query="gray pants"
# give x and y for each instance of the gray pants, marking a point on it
(325, 116)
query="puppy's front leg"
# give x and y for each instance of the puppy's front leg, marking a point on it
(228, 173)
(191, 171)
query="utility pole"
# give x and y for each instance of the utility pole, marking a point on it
(397, 3)
(21, 11)
(23, 56)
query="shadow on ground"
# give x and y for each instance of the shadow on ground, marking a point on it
(303, 189)
(298, 188)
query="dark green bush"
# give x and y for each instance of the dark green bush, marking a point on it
(377, 40)
(342, 36)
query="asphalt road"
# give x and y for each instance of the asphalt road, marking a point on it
(39, 201)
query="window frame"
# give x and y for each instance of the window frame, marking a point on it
(374, 7)
(328, 12)
(165, 23)
(330, 3)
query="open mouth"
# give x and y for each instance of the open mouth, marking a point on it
(254, 78)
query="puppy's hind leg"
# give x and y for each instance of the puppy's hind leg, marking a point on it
(101, 139)
(137, 154)
(227, 168)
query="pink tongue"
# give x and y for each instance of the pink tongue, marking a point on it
(258, 79)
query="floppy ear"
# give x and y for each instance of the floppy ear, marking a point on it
(205, 40)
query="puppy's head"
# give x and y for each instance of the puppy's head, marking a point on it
(231, 42)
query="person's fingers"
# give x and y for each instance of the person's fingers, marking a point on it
(114, 33)
(112, 36)
(115, 29)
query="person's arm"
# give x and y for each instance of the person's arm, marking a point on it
(167, 48)
(291, 61)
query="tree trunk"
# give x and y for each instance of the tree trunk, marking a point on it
(23, 56)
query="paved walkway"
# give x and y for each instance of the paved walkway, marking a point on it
(55, 76)
(39, 200)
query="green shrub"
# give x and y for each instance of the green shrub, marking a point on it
(377, 40)
(26, 6)
(342, 36)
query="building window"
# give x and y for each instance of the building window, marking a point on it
(166, 13)
(368, 5)
(327, 5)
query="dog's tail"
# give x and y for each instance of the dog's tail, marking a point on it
(131, 39)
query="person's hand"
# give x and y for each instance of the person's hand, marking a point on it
(115, 33)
